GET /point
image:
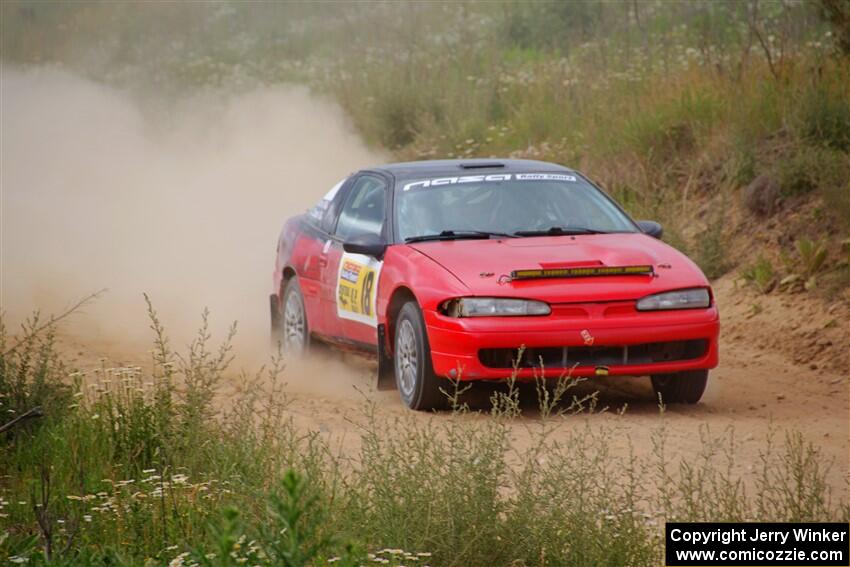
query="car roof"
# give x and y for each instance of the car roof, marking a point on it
(446, 167)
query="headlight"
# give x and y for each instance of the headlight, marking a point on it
(681, 299)
(493, 307)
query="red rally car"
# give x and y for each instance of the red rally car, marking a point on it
(475, 270)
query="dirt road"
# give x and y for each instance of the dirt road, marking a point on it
(757, 389)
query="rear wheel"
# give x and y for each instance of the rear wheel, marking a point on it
(294, 335)
(680, 388)
(417, 384)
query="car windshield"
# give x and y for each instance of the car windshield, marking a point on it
(517, 204)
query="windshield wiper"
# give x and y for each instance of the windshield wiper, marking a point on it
(457, 235)
(559, 231)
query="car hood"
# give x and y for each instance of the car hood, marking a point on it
(484, 266)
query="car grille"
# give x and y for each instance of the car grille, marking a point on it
(569, 357)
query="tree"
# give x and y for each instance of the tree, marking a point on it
(837, 13)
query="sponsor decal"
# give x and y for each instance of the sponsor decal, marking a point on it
(492, 178)
(545, 177)
(588, 272)
(350, 271)
(357, 288)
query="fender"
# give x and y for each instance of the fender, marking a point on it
(286, 248)
(408, 271)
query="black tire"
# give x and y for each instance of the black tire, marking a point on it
(417, 384)
(292, 338)
(680, 388)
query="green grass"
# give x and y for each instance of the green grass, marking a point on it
(710, 251)
(824, 115)
(139, 467)
(761, 275)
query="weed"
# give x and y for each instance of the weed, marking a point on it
(824, 116)
(292, 535)
(761, 275)
(799, 175)
(742, 166)
(710, 248)
(837, 195)
(809, 169)
(811, 255)
(804, 265)
(251, 487)
(29, 374)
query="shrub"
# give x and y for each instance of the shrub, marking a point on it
(398, 120)
(762, 195)
(811, 256)
(761, 275)
(668, 128)
(757, 110)
(710, 247)
(541, 25)
(824, 116)
(31, 375)
(837, 197)
(805, 264)
(294, 534)
(448, 471)
(452, 489)
(799, 174)
(742, 166)
(810, 168)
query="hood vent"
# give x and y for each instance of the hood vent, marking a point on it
(586, 272)
(482, 165)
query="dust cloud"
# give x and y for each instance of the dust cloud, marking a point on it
(182, 201)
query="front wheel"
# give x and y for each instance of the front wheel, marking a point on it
(417, 384)
(684, 387)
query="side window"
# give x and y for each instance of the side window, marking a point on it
(331, 211)
(317, 213)
(363, 212)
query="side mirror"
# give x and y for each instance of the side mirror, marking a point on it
(366, 244)
(651, 228)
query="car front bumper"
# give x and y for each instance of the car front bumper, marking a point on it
(588, 340)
